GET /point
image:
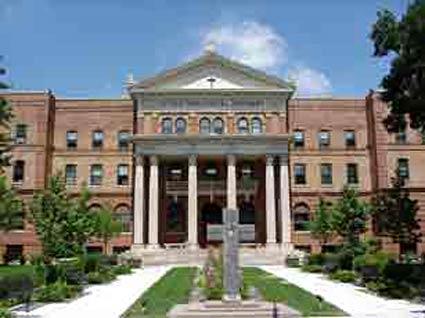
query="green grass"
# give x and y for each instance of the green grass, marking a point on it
(273, 288)
(173, 288)
(6, 270)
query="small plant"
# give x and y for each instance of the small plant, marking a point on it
(5, 313)
(101, 277)
(122, 269)
(312, 268)
(56, 292)
(344, 276)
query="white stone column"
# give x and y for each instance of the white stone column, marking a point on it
(139, 200)
(192, 203)
(285, 208)
(153, 202)
(231, 182)
(270, 202)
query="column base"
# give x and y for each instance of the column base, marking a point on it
(192, 246)
(152, 246)
(273, 246)
(136, 248)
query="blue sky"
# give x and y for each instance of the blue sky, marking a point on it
(85, 48)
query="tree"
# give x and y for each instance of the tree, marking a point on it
(11, 207)
(5, 118)
(404, 85)
(63, 225)
(107, 227)
(395, 214)
(321, 224)
(349, 218)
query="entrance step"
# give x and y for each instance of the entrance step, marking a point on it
(248, 256)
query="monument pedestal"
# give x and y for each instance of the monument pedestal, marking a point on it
(241, 309)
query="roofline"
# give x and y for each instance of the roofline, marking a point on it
(25, 92)
(210, 90)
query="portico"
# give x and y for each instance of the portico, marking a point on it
(272, 217)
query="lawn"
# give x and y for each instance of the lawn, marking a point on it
(273, 288)
(173, 288)
(6, 270)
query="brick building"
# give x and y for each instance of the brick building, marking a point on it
(206, 135)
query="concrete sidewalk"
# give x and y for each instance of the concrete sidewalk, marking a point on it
(348, 297)
(106, 301)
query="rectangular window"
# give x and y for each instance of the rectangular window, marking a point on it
(299, 173)
(18, 171)
(122, 175)
(401, 138)
(96, 174)
(326, 173)
(352, 175)
(71, 174)
(350, 138)
(324, 139)
(97, 142)
(71, 139)
(21, 134)
(299, 139)
(123, 140)
(403, 168)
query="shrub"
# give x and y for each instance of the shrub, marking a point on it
(109, 260)
(5, 313)
(52, 273)
(121, 269)
(16, 286)
(332, 263)
(56, 292)
(344, 276)
(312, 268)
(316, 259)
(100, 277)
(91, 262)
(379, 260)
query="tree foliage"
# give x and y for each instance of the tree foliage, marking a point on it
(349, 217)
(11, 207)
(321, 224)
(404, 85)
(395, 214)
(5, 118)
(107, 227)
(63, 224)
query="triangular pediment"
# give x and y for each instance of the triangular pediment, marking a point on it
(212, 71)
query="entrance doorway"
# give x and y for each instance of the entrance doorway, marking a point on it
(211, 223)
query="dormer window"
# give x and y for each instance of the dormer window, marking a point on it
(243, 127)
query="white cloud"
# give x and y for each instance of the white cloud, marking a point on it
(310, 82)
(251, 43)
(261, 46)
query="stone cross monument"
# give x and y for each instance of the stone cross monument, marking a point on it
(231, 255)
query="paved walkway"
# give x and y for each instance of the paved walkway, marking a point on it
(348, 297)
(105, 301)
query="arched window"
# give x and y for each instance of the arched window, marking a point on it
(218, 126)
(301, 214)
(167, 126)
(124, 215)
(243, 127)
(180, 125)
(205, 126)
(94, 207)
(256, 125)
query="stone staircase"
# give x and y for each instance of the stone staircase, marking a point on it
(180, 255)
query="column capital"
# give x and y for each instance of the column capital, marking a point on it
(269, 160)
(153, 160)
(283, 160)
(193, 160)
(139, 160)
(231, 160)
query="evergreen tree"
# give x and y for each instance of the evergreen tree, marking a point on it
(107, 227)
(5, 118)
(395, 214)
(11, 207)
(321, 224)
(404, 85)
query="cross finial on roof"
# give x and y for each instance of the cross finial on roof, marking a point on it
(210, 47)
